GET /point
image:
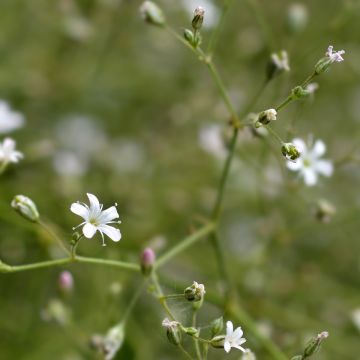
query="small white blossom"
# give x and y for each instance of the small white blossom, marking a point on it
(310, 163)
(168, 324)
(334, 56)
(281, 61)
(8, 152)
(96, 219)
(9, 120)
(233, 339)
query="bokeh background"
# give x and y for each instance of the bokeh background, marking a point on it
(120, 109)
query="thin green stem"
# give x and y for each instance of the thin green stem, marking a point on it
(173, 296)
(53, 234)
(195, 338)
(216, 33)
(133, 301)
(274, 133)
(184, 244)
(79, 259)
(187, 355)
(308, 79)
(284, 103)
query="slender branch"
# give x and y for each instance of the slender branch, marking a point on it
(184, 244)
(39, 265)
(112, 263)
(133, 301)
(53, 234)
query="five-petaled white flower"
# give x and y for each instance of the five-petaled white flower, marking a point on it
(233, 339)
(334, 56)
(9, 119)
(96, 219)
(8, 153)
(309, 164)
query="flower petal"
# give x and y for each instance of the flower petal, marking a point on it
(295, 165)
(229, 328)
(240, 348)
(94, 202)
(227, 346)
(9, 144)
(113, 233)
(319, 148)
(324, 167)
(89, 230)
(238, 333)
(310, 176)
(80, 210)
(300, 145)
(108, 215)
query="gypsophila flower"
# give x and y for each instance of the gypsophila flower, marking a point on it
(9, 120)
(310, 163)
(334, 56)
(168, 324)
(233, 339)
(8, 153)
(96, 219)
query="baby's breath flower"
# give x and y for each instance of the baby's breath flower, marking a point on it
(265, 117)
(290, 151)
(330, 57)
(173, 331)
(96, 219)
(233, 338)
(152, 13)
(198, 18)
(310, 163)
(278, 63)
(9, 120)
(8, 152)
(25, 207)
(195, 292)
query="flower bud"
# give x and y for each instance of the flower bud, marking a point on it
(66, 282)
(314, 344)
(290, 151)
(25, 207)
(152, 14)
(217, 326)
(198, 18)
(195, 292)
(191, 331)
(112, 341)
(278, 63)
(297, 17)
(189, 36)
(218, 341)
(299, 92)
(147, 261)
(265, 117)
(324, 211)
(173, 331)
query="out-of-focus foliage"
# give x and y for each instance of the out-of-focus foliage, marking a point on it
(114, 107)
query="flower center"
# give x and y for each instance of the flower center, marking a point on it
(307, 162)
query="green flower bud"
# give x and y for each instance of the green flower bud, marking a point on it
(314, 344)
(217, 326)
(290, 151)
(173, 331)
(191, 331)
(195, 292)
(25, 207)
(297, 357)
(152, 14)
(198, 18)
(189, 36)
(218, 341)
(299, 92)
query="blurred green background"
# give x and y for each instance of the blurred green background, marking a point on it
(115, 107)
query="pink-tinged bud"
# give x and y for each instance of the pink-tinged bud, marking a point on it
(66, 281)
(147, 261)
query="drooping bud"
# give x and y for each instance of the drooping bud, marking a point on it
(173, 331)
(25, 207)
(330, 57)
(324, 211)
(265, 117)
(195, 292)
(278, 63)
(314, 344)
(198, 18)
(152, 14)
(217, 326)
(66, 282)
(218, 341)
(290, 151)
(147, 261)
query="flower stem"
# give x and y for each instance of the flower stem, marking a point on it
(184, 244)
(284, 103)
(53, 234)
(133, 301)
(195, 338)
(187, 355)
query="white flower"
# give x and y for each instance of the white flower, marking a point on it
(309, 164)
(233, 339)
(311, 88)
(168, 324)
(334, 56)
(281, 60)
(8, 153)
(9, 120)
(96, 219)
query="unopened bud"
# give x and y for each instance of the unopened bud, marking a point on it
(218, 341)
(299, 92)
(278, 63)
(147, 261)
(66, 281)
(112, 341)
(152, 13)
(191, 331)
(324, 210)
(25, 207)
(314, 344)
(198, 18)
(217, 326)
(189, 36)
(173, 331)
(290, 151)
(265, 117)
(195, 292)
